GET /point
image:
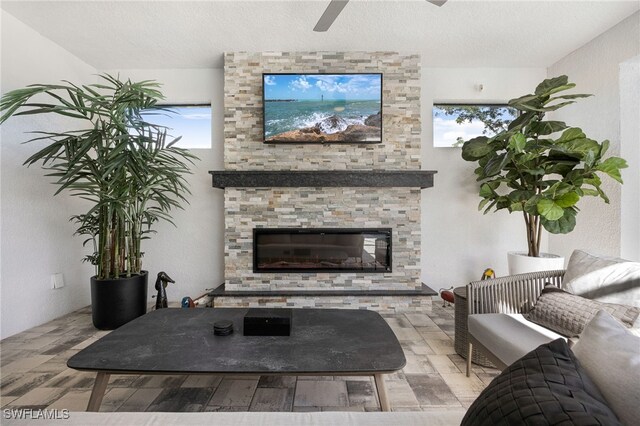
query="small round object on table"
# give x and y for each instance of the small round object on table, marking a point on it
(222, 328)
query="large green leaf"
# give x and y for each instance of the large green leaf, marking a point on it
(549, 108)
(571, 134)
(612, 166)
(547, 127)
(486, 191)
(517, 142)
(522, 120)
(579, 146)
(520, 195)
(563, 225)
(589, 192)
(590, 158)
(549, 209)
(476, 148)
(567, 200)
(526, 157)
(554, 85)
(502, 203)
(516, 207)
(483, 203)
(576, 96)
(495, 165)
(560, 168)
(534, 171)
(523, 99)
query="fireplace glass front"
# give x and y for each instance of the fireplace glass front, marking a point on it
(321, 250)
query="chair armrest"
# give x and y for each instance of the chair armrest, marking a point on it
(513, 294)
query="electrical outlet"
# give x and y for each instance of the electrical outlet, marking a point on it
(57, 281)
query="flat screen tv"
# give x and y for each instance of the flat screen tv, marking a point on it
(322, 108)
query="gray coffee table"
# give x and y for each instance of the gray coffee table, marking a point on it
(328, 342)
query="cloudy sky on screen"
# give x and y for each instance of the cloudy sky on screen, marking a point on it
(313, 86)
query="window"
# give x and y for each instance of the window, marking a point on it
(192, 122)
(456, 123)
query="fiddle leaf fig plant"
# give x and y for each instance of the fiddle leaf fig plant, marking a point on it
(541, 167)
(129, 170)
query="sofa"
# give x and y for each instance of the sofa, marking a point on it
(543, 306)
(539, 329)
(596, 382)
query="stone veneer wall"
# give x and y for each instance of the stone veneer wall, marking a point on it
(246, 208)
(397, 208)
(243, 139)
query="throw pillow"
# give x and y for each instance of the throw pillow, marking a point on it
(611, 357)
(568, 314)
(607, 279)
(547, 386)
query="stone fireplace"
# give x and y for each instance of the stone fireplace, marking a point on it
(307, 205)
(310, 208)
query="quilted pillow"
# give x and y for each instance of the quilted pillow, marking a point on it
(545, 387)
(607, 279)
(568, 314)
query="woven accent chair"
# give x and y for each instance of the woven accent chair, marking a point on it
(514, 294)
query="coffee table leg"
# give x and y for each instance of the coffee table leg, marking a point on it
(97, 393)
(382, 392)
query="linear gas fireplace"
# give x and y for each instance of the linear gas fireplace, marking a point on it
(321, 250)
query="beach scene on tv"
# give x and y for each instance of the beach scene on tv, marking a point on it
(323, 108)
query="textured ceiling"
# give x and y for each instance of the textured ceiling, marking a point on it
(194, 34)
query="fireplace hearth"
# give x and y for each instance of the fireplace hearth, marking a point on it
(321, 250)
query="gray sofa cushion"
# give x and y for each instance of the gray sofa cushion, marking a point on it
(545, 387)
(508, 336)
(567, 314)
(611, 357)
(603, 278)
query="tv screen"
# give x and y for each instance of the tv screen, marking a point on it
(322, 108)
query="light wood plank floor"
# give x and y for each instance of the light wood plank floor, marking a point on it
(34, 375)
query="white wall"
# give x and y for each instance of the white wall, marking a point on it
(630, 150)
(35, 234)
(595, 69)
(192, 252)
(458, 241)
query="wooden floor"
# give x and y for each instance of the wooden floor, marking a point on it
(34, 375)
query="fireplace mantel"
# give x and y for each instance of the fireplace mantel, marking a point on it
(324, 178)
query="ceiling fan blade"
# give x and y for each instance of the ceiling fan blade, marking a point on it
(437, 2)
(330, 14)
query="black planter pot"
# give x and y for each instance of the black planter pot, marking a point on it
(115, 302)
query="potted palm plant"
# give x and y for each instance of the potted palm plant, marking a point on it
(127, 168)
(540, 168)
